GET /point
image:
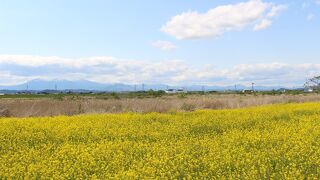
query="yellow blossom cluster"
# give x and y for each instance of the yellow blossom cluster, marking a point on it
(268, 142)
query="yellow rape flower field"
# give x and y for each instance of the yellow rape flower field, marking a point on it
(276, 141)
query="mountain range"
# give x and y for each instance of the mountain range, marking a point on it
(39, 85)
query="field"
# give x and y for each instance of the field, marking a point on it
(275, 141)
(55, 105)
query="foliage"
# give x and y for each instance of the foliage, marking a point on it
(277, 141)
(139, 94)
(188, 107)
(115, 95)
(4, 112)
(157, 93)
(182, 95)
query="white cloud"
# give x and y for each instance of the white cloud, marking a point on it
(8, 78)
(164, 45)
(217, 21)
(317, 1)
(36, 61)
(262, 25)
(16, 69)
(276, 10)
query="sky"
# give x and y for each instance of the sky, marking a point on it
(221, 42)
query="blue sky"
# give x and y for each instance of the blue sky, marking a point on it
(176, 42)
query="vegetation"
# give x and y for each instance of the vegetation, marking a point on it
(98, 95)
(276, 141)
(119, 103)
(145, 94)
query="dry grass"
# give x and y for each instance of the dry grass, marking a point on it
(91, 105)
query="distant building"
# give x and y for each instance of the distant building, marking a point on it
(308, 90)
(181, 90)
(49, 91)
(170, 91)
(247, 91)
(174, 91)
(1, 94)
(312, 85)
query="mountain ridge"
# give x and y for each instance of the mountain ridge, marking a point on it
(117, 87)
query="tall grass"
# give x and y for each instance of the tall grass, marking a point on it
(74, 105)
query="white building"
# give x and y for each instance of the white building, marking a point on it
(170, 91)
(308, 90)
(174, 91)
(247, 91)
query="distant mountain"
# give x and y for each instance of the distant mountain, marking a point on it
(39, 85)
(58, 84)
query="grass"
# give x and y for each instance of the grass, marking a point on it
(275, 141)
(102, 95)
(55, 105)
(143, 94)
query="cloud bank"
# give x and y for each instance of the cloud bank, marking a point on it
(15, 69)
(219, 20)
(164, 45)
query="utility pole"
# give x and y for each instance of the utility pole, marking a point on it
(203, 89)
(142, 87)
(135, 88)
(235, 88)
(253, 86)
